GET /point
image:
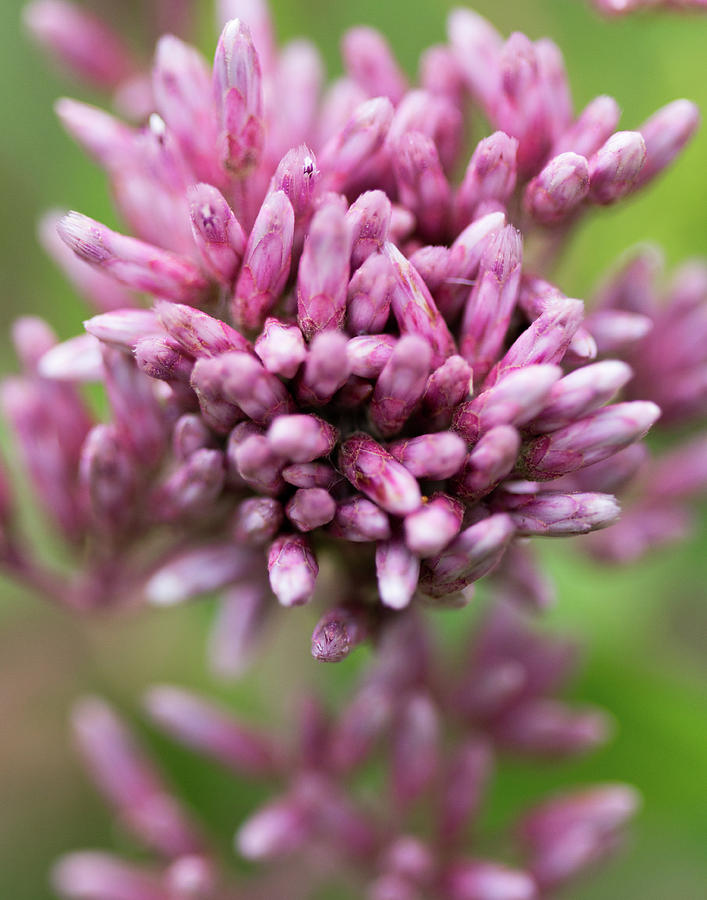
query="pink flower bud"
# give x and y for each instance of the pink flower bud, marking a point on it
(556, 192)
(374, 472)
(293, 570)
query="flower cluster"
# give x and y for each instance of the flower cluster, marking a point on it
(348, 354)
(327, 825)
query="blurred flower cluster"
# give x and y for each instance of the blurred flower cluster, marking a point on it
(329, 339)
(623, 7)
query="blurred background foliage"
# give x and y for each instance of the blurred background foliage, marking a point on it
(645, 628)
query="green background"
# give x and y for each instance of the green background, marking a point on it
(645, 628)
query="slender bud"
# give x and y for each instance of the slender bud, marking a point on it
(369, 221)
(589, 440)
(491, 460)
(323, 273)
(81, 876)
(554, 514)
(665, 134)
(124, 327)
(422, 185)
(369, 296)
(198, 571)
(490, 175)
(209, 730)
(325, 370)
(359, 140)
(198, 333)
(470, 556)
(134, 263)
(400, 385)
(238, 94)
(370, 63)
(260, 394)
(109, 475)
(481, 880)
(594, 126)
(266, 263)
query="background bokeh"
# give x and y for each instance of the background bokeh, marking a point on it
(645, 628)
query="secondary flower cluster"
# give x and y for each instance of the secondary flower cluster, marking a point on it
(435, 733)
(348, 354)
(664, 340)
(622, 7)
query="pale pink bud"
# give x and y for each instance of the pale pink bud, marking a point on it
(375, 472)
(547, 728)
(190, 434)
(292, 569)
(465, 256)
(481, 880)
(104, 138)
(297, 176)
(665, 134)
(274, 830)
(436, 117)
(192, 488)
(257, 463)
(124, 327)
(368, 354)
(181, 85)
(302, 438)
(238, 625)
(78, 359)
(616, 331)
(477, 49)
(259, 393)
(198, 333)
(369, 296)
(581, 392)
(197, 571)
(89, 875)
(109, 475)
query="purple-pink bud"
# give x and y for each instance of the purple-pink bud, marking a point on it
(434, 525)
(665, 134)
(209, 730)
(237, 627)
(594, 125)
(588, 440)
(370, 63)
(310, 508)
(136, 264)
(514, 400)
(581, 392)
(297, 176)
(397, 569)
(323, 273)
(192, 488)
(369, 222)
(266, 263)
(359, 140)
(437, 456)
(163, 358)
(338, 632)
(197, 333)
(376, 473)
(415, 748)
(259, 393)
(400, 385)
(90, 874)
(369, 296)
(82, 42)
(109, 477)
(422, 185)
(292, 569)
(493, 457)
(256, 462)
(359, 520)
(197, 571)
(207, 382)
(314, 474)
(616, 331)
(218, 235)
(470, 556)
(555, 514)
(463, 262)
(556, 192)
(414, 308)
(238, 94)
(302, 438)
(490, 175)
(492, 301)
(446, 387)
(124, 327)
(325, 370)
(257, 520)
(615, 168)
(281, 348)
(481, 880)
(129, 781)
(368, 354)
